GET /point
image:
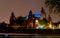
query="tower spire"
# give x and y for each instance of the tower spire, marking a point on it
(50, 21)
(43, 13)
(12, 18)
(30, 14)
(49, 18)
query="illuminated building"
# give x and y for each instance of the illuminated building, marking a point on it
(30, 20)
(50, 22)
(58, 24)
(42, 21)
(16, 26)
(36, 23)
(33, 19)
(43, 14)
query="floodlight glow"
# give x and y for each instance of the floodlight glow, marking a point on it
(59, 25)
(36, 21)
(40, 27)
(53, 27)
(50, 26)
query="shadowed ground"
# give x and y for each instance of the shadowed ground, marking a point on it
(41, 32)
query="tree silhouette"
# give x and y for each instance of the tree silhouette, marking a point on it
(54, 5)
(3, 26)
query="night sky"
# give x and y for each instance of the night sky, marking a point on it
(21, 8)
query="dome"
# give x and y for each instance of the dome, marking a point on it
(37, 15)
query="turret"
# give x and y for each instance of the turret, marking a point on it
(12, 18)
(43, 13)
(50, 21)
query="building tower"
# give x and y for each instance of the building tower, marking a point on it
(43, 14)
(30, 19)
(12, 18)
(30, 14)
(50, 21)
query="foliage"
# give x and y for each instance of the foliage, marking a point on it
(42, 22)
(3, 26)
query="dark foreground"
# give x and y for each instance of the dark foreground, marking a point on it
(42, 32)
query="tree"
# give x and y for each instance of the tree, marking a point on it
(54, 5)
(43, 22)
(3, 26)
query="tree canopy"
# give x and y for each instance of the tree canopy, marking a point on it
(54, 5)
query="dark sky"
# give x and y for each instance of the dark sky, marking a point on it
(21, 7)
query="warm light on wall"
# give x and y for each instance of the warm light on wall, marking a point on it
(59, 26)
(40, 27)
(16, 26)
(50, 26)
(36, 21)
